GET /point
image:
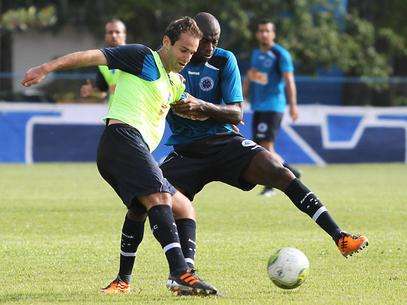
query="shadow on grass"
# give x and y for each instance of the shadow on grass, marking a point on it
(95, 298)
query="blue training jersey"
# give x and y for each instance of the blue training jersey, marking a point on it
(216, 81)
(267, 87)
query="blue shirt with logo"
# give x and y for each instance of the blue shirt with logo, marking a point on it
(216, 81)
(267, 90)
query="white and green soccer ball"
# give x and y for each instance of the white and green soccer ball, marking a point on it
(288, 268)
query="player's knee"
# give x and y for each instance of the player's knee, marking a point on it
(279, 176)
(283, 178)
(185, 212)
(182, 207)
(267, 145)
(155, 199)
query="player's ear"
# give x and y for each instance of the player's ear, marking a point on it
(166, 42)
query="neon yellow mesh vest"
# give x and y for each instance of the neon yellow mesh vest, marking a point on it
(111, 78)
(144, 104)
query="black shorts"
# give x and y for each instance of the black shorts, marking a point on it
(125, 162)
(266, 125)
(220, 158)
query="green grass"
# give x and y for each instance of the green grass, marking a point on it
(60, 229)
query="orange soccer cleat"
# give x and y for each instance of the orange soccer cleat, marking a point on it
(116, 286)
(349, 244)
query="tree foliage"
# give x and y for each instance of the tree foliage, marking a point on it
(361, 40)
(323, 34)
(30, 17)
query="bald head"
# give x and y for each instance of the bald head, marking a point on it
(210, 28)
(208, 24)
(115, 33)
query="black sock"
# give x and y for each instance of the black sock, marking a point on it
(295, 171)
(308, 203)
(164, 229)
(132, 235)
(187, 236)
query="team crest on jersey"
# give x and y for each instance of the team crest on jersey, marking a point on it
(206, 83)
(248, 143)
(262, 127)
(267, 63)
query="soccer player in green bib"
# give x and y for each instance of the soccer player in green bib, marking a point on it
(135, 122)
(106, 79)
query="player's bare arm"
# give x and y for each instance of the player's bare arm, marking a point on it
(246, 85)
(73, 60)
(291, 92)
(222, 113)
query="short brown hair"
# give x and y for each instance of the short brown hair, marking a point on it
(116, 20)
(265, 21)
(182, 25)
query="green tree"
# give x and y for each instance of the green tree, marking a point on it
(365, 39)
(389, 19)
(321, 33)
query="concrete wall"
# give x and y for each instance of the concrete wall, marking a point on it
(33, 48)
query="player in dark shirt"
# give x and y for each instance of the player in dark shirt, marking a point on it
(106, 79)
(211, 150)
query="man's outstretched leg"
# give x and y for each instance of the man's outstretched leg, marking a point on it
(266, 126)
(308, 202)
(269, 191)
(265, 170)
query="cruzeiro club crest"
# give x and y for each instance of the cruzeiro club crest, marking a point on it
(248, 143)
(262, 127)
(206, 83)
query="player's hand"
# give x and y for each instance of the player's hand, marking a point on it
(294, 112)
(86, 89)
(34, 76)
(190, 108)
(235, 128)
(188, 114)
(245, 106)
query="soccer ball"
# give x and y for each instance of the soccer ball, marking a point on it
(288, 268)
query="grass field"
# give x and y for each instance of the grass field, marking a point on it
(60, 231)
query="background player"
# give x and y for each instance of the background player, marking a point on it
(268, 84)
(106, 79)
